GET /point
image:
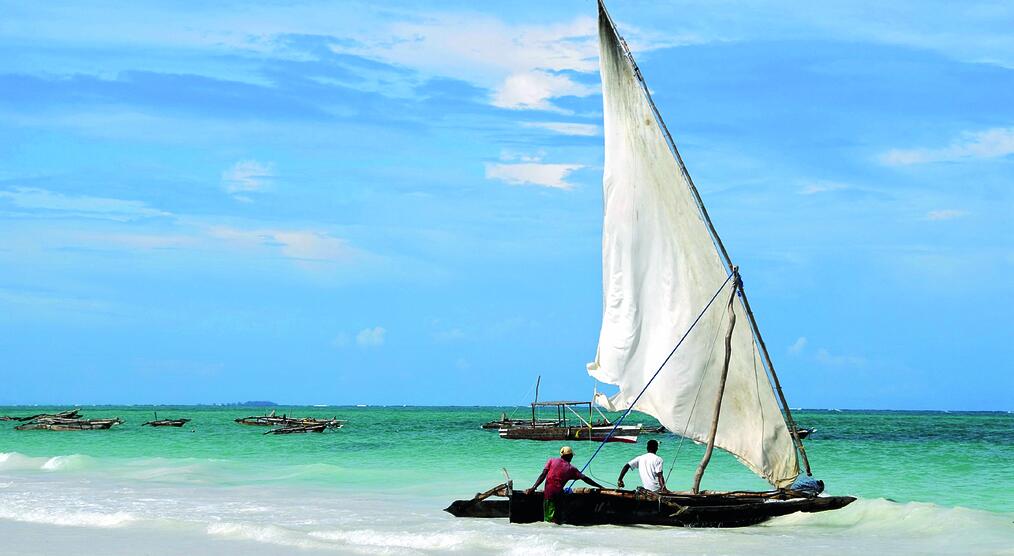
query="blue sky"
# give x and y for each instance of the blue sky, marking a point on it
(400, 202)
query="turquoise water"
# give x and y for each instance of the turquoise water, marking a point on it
(912, 467)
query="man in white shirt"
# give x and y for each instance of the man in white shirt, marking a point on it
(649, 466)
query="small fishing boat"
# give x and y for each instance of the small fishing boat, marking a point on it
(61, 424)
(272, 420)
(671, 295)
(577, 428)
(69, 414)
(166, 423)
(503, 423)
(803, 433)
(299, 429)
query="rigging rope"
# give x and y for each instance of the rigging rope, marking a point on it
(683, 436)
(519, 406)
(630, 408)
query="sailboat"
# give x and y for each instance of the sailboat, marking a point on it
(678, 336)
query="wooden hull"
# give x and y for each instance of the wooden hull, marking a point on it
(624, 507)
(167, 423)
(596, 434)
(286, 422)
(509, 423)
(298, 430)
(101, 424)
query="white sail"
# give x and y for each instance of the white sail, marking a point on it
(660, 268)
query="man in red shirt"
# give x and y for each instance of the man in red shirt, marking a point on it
(556, 473)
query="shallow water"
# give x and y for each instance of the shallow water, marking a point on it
(931, 483)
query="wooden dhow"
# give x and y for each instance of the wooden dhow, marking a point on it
(671, 295)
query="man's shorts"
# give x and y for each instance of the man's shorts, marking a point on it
(549, 511)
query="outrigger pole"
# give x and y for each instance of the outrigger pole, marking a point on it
(715, 239)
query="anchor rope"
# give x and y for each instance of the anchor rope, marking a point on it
(655, 375)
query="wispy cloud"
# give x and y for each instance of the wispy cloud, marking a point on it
(246, 176)
(449, 335)
(567, 128)
(533, 173)
(821, 187)
(532, 90)
(306, 245)
(82, 206)
(825, 357)
(991, 143)
(798, 346)
(371, 337)
(945, 214)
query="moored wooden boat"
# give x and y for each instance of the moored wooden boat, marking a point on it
(803, 433)
(272, 420)
(166, 423)
(68, 414)
(298, 429)
(505, 423)
(577, 428)
(61, 424)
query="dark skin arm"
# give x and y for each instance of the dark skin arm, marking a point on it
(589, 481)
(626, 467)
(542, 477)
(619, 482)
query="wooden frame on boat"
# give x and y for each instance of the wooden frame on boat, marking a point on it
(561, 429)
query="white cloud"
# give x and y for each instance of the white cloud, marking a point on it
(821, 187)
(306, 245)
(451, 335)
(991, 143)
(481, 49)
(533, 173)
(567, 128)
(532, 90)
(798, 345)
(371, 337)
(83, 206)
(827, 358)
(945, 214)
(247, 175)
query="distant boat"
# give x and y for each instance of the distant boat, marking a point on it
(272, 420)
(576, 428)
(504, 422)
(665, 273)
(61, 424)
(165, 422)
(803, 433)
(69, 414)
(299, 429)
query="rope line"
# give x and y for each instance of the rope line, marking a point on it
(660, 367)
(683, 436)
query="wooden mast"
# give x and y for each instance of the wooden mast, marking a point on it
(721, 389)
(717, 240)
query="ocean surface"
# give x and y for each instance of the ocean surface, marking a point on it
(927, 482)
